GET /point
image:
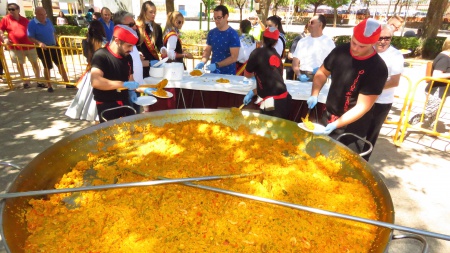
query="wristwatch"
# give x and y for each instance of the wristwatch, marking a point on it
(217, 65)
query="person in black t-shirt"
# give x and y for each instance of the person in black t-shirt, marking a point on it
(265, 64)
(358, 77)
(112, 68)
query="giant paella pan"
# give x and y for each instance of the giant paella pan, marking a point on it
(279, 161)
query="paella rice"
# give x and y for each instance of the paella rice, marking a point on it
(176, 218)
(223, 80)
(196, 72)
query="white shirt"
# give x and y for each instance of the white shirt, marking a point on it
(279, 47)
(394, 62)
(247, 46)
(137, 66)
(312, 51)
(171, 46)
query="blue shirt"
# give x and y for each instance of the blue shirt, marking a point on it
(109, 31)
(45, 33)
(221, 42)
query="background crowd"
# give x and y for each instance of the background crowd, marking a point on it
(121, 49)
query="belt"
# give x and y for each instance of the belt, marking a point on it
(119, 102)
(281, 96)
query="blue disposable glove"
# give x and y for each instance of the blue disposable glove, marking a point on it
(149, 91)
(248, 97)
(133, 96)
(131, 85)
(312, 101)
(328, 129)
(303, 78)
(153, 62)
(211, 67)
(200, 65)
(315, 70)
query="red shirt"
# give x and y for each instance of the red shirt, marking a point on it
(17, 30)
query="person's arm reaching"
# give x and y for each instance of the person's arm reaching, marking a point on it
(440, 74)
(363, 105)
(101, 83)
(393, 82)
(234, 51)
(320, 78)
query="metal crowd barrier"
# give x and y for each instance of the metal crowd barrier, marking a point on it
(417, 120)
(69, 49)
(399, 122)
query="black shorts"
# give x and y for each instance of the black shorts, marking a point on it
(48, 55)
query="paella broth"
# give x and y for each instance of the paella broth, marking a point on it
(177, 218)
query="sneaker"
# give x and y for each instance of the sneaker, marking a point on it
(70, 87)
(50, 89)
(26, 86)
(415, 119)
(41, 85)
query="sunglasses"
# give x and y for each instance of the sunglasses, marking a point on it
(132, 24)
(11, 9)
(179, 22)
(218, 18)
(385, 38)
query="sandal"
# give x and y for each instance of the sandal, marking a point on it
(26, 86)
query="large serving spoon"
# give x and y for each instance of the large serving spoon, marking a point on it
(124, 185)
(319, 211)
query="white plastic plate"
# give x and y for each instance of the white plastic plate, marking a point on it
(317, 127)
(146, 100)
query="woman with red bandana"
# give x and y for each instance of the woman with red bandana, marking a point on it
(265, 65)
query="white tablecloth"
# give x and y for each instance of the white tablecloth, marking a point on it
(207, 82)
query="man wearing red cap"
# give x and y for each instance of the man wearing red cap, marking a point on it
(112, 68)
(266, 66)
(358, 77)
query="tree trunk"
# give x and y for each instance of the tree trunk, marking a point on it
(431, 26)
(433, 20)
(47, 4)
(335, 17)
(240, 12)
(264, 9)
(170, 6)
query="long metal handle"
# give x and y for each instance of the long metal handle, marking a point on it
(11, 165)
(117, 108)
(123, 185)
(415, 237)
(320, 211)
(362, 139)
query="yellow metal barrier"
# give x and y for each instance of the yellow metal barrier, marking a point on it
(197, 52)
(73, 64)
(405, 103)
(405, 123)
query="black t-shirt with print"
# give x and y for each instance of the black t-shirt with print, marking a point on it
(115, 68)
(266, 64)
(351, 76)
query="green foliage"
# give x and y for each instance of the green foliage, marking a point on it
(410, 43)
(290, 36)
(336, 3)
(432, 47)
(230, 8)
(70, 30)
(193, 37)
(342, 39)
(29, 14)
